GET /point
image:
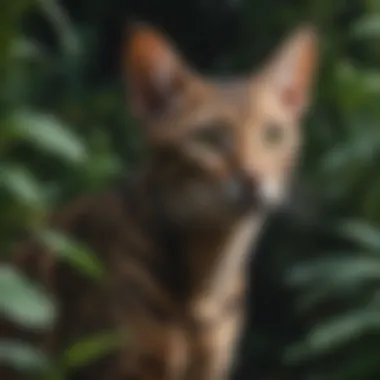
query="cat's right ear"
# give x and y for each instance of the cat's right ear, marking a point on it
(292, 70)
(156, 74)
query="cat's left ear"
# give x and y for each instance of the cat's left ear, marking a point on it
(291, 71)
(156, 72)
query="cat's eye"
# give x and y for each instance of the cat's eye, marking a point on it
(273, 134)
(216, 137)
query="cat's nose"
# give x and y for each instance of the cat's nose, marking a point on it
(250, 183)
(243, 191)
(250, 190)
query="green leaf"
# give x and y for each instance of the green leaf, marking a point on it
(360, 232)
(22, 356)
(335, 279)
(22, 185)
(343, 328)
(336, 271)
(364, 361)
(24, 48)
(358, 151)
(91, 348)
(23, 302)
(334, 334)
(367, 27)
(99, 171)
(74, 253)
(47, 133)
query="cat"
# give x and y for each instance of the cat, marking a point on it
(175, 238)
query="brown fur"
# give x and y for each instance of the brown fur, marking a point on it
(174, 239)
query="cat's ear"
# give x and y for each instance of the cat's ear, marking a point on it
(292, 69)
(156, 74)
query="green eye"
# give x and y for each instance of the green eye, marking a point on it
(215, 137)
(273, 134)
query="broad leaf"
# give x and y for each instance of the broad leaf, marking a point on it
(22, 356)
(23, 302)
(74, 253)
(91, 348)
(21, 184)
(46, 132)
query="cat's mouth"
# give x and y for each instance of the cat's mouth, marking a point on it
(273, 194)
(245, 195)
(259, 197)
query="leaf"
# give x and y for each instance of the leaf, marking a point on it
(49, 134)
(22, 356)
(24, 48)
(367, 27)
(360, 232)
(336, 271)
(23, 302)
(363, 361)
(91, 348)
(359, 151)
(21, 184)
(371, 202)
(74, 253)
(341, 329)
(335, 333)
(99, 171)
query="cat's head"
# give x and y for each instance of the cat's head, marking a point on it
(220, 148)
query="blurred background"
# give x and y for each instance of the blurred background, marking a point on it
(65, 130)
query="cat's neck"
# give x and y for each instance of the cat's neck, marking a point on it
(218, 261)
(197, 261)
(212, 254)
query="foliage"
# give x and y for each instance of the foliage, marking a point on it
(65, 130)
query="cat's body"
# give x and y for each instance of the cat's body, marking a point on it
(175, 239)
